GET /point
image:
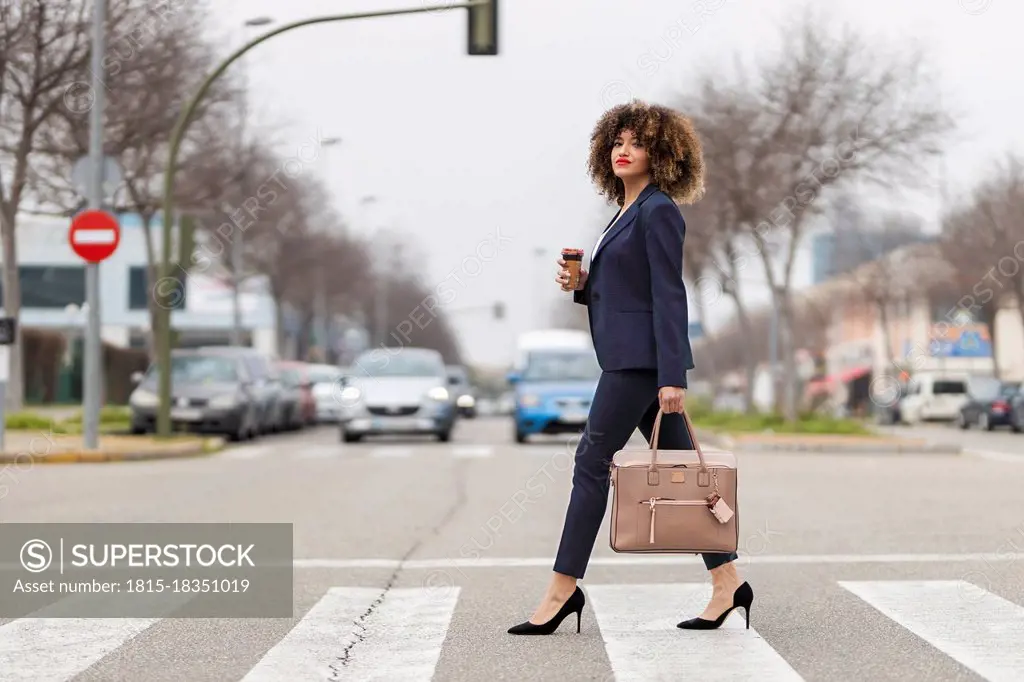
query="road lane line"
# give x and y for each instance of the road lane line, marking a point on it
(673, 560)
(976, 628)
(472, 451)
(392, 451)
(400, 640)
(638, 625)
(993, 455)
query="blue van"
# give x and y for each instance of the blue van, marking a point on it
(554, 388)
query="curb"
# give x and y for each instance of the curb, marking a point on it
(205, 448)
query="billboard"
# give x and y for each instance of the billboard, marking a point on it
(966, 341)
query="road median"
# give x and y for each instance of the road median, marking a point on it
(45, 447)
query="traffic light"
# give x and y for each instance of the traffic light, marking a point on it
(483, 29)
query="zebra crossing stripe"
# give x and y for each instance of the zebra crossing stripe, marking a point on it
(351, 634)
(58, 649)
(638, 625)
(974, 627)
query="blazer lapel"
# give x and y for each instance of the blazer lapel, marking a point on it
(627, 218)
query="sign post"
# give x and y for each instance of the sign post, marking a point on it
(94, 236)
(8, 327)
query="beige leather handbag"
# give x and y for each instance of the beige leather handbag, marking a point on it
(674, 501)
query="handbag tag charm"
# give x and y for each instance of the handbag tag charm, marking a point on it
(719, 508)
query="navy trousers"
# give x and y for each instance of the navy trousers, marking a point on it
(625, 400)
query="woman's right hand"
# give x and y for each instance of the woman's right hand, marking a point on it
(562, 278)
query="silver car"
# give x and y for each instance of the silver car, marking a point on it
(397, 391)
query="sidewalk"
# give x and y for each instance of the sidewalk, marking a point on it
(38, 447)
(811, 442)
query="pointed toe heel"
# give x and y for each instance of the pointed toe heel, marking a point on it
(573, 604)
(742, 597)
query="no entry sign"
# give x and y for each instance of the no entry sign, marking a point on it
(94, 235)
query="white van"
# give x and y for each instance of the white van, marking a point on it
(933, 396)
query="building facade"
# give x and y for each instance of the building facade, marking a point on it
(53, 290)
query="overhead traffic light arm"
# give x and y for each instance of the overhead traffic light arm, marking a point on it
(483, 40)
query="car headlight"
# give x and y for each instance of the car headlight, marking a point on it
(142, 398)
(466, 401)
(529, 400)
(439, 393)
(350, 394)
(223, 402)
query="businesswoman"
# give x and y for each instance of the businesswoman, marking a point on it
(645, 158)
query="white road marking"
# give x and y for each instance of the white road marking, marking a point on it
(670, 560)
(976, 628)
(638, 625)
(400, 640)
(52, 644)
(994, 455)
(57, 649)
(472, 451)
(254, 451)
(392, 451)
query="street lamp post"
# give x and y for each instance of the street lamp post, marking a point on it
(322, 326)
(237, 248)
(483, 39)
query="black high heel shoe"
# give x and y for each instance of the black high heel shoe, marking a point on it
(743, 596)
(573, 604)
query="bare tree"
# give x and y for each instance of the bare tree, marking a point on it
(43, 45)
(827, 110)
(152, 69)
(983, 243)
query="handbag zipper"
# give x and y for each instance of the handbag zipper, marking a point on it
(655, 501)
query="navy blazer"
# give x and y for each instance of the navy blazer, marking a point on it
(635, 295)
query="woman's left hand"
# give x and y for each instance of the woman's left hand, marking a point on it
(671, 399)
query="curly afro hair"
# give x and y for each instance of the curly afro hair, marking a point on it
(676, 158)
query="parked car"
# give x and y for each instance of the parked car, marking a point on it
(988, 403)
(326, 383)
(933, 396)
(295, 381)
(404, 392)
(1017, 411)
(465, 394)
(272, 399)
(210, 393)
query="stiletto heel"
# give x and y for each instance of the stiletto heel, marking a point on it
(574, 604)
(743, 596)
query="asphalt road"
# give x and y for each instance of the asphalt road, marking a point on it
(412, 558)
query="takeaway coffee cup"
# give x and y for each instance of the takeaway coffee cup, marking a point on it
(573, 261)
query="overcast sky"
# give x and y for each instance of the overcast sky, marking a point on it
(458, 149)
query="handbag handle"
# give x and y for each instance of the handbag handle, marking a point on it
(689, 430)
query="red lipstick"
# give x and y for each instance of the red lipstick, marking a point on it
(622, 162)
